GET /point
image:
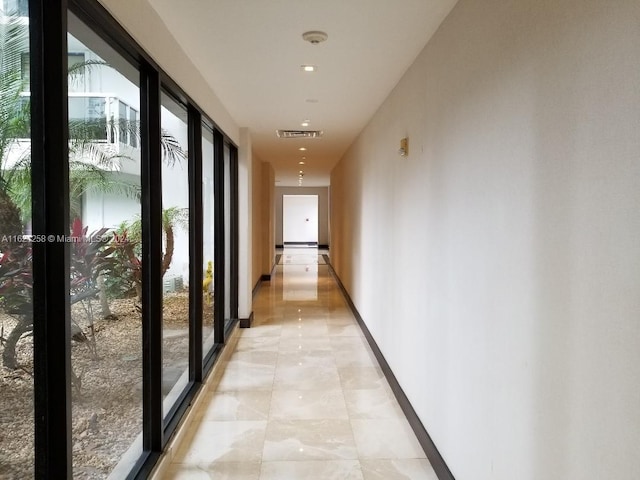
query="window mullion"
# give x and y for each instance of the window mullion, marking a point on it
(50, 217)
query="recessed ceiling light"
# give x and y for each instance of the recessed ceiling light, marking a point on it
(302, 149)
(300, 163)
(301, 171)
(305, 123)
(309, 68)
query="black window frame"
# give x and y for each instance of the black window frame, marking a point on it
(50, 184)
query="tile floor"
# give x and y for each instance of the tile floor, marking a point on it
(301, 397)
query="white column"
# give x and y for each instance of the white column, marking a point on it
(244, 225)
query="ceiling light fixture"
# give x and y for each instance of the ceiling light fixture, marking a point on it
(309, 68)
(300, 163)
(302, 149)
(314, 37)
(305, 123)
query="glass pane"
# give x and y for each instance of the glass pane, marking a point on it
(106, 326)
(207, 240)
(175, 262)
(16, 7)
(87, 116)
(123, 119)
(133, 120)
(227, 235)
(16, 340)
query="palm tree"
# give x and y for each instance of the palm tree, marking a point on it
(131, 232)
(13, 41)
(90, 163)
(90, 168)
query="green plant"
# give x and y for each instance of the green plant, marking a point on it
(172, 218)
(91, 255)
(125, 279)
(13, 118)
(91, 163)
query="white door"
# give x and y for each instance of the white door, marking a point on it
(300, 219)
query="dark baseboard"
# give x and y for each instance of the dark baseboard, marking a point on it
(246, 322)
(430, 449)
(324, 246)
(272, 273)
(256, 287)
(301, 244)
(265, 277)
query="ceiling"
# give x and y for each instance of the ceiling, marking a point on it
(251, 52)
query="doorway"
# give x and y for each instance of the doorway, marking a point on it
(300, 220)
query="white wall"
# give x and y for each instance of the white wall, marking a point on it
(245, 225)
(323, 210)
(144, 24)
(109, 209)
(498, 266)
(300, 218)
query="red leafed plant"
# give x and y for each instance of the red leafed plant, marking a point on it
(89, 257)
(16, 293)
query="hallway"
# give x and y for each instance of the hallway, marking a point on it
(301, 396)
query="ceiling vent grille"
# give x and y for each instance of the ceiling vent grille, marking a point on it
(299, 133)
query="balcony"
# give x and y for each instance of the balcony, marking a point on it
(97, 121)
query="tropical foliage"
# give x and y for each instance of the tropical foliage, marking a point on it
(93, 166)
(13, 119)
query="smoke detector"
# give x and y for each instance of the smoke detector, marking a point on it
(314, 37)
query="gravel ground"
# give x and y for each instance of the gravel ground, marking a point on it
(107, 394)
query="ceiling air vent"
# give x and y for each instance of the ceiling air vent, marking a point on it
(299, 133)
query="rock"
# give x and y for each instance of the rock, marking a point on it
(93, 422)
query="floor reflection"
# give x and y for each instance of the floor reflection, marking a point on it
(300, 273)
(301, 397)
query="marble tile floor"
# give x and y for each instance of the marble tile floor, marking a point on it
(300, 397)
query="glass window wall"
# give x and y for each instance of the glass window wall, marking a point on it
(16, 280)
(100, 251)
(208, 232)
(227, 234)
(175, 260)
(105, 265)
